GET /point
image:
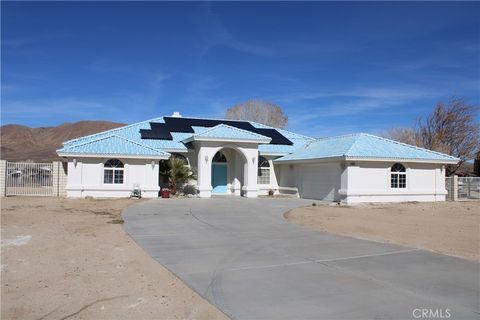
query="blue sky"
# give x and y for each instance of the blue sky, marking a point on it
(334, 67)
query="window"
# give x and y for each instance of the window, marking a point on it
(113, 172)
(219, 157)
(263, 171)
(398, 176)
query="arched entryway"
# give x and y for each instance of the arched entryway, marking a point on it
(228, 167)
(219, 173)
(238, 162)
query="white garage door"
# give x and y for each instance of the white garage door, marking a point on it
(319, 181)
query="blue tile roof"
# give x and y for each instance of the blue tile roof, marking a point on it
(111, 145)
(223, 131)
(127, 141)
(363, 145)
(132, 133)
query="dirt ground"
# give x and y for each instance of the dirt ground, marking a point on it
(451, 228)
(71, 259)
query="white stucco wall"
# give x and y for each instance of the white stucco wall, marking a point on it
(370, 182)
(348, 181)
(85, 178)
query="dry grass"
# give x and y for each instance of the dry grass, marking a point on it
(451, 228)
(65, 258)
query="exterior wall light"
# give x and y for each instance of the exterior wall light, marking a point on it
(206, 158)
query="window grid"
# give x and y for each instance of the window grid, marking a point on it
(398, 177)
(394, 180)
(118, 176)
(402, 180)
(113, 172)
(263, 176)
(108, 176)
(219, 157)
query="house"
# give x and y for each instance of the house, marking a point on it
(248, 159)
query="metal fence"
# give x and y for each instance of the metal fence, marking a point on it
(29, 179)
(467, 188)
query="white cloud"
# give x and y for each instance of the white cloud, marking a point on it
(331, 103)
(214, 33)
(366, 92)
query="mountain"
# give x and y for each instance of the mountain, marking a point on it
(20, 143)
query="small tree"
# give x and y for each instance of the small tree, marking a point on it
(177, 172)
(259, 111)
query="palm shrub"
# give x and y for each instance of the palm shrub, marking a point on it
(176, 170)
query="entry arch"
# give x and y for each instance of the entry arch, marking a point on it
(230, 164)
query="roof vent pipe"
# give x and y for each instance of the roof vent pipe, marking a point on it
(176, 114)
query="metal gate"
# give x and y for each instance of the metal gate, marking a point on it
(467, 188)
(29, 179)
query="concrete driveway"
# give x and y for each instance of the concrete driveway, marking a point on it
(243, 257)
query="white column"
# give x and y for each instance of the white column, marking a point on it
(455, 188)
(273, 177)
(238, 178)
(3, 177)
(251, 167)
(55, 178)
(343, 192)
(440, 188)
(204, 167)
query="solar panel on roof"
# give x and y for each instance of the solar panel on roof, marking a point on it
(156, 131)
(162, 131)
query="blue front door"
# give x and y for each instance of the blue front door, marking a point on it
(219, 178)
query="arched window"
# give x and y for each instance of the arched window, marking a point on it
(398, 176)
(219, 157)
(113, 172)
(263, 171)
